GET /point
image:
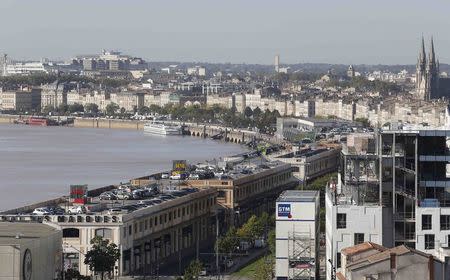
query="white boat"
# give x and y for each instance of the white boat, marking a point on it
(162, 129)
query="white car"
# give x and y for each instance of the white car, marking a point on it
(175, 177)
(76, 210)
(164, 176)
(41, 211)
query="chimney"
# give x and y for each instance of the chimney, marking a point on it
(393, 266)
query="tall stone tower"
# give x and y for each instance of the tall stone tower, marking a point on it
(427, 74)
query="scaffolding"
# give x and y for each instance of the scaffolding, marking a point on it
(301, 255)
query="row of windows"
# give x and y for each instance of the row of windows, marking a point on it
(75, 233)
(149, 223)
(427, 222)
(430, 241)
(262, 184)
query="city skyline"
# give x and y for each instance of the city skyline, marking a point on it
(253, 32)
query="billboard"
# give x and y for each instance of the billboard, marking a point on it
(179, 166)
(78, 193)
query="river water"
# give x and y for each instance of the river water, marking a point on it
(39, 163)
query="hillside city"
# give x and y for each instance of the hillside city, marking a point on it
(345, 174)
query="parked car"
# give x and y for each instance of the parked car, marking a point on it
(77, 209)
(41, 211)
(107, 196)
(123, 195)
(164, 176)
(56, 210)
(175, 177)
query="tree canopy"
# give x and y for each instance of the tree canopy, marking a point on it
(103, 256)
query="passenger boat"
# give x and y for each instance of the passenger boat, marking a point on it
(42, 121)
(162, 128)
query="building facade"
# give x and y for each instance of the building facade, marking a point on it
(296, 232)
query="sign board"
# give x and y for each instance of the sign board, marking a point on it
(179, 166)
(284, 210)
(78, 193)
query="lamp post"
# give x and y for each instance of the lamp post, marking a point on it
(333, 270)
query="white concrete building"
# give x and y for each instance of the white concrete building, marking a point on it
(30, 251)
(297, 230)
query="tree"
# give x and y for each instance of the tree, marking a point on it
(47, 109)
(271, 241)
(144, 110)
(91, 108)
(227, 244)
(257, 112)
(102, 256)
(73, 274)
(264, 270)
(122, 110)
(76, 107)
(62, 109)
(248, 112)
(111, 109)
(364, 121)
(192, 272)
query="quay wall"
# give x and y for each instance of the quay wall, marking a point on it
(106, 123)
(5, 119)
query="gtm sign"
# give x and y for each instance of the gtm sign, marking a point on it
(284, 210)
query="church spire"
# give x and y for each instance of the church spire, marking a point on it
(432, 56)
(422, 55)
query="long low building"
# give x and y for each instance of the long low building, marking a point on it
(149, 236)
(249, 188)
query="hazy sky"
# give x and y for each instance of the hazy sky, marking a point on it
(251, 31)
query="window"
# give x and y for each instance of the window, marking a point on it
(426, 222)
(129, 230)
(448, 241)
(429, 241)
(104, 232)
(359, 238)
(71, 233)
(146, 224)
(124, 231)
(445, 222)
(338, 260)
(341, 220)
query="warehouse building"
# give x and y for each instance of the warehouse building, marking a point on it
(249, 188)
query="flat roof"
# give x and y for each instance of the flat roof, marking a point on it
(10, 230)
(298, 196)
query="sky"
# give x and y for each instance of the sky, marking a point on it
(235, 31)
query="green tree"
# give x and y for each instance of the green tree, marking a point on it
(102, 256)
(62, 109)
(122, 111)
(271, 241)
(111, 109)
(252, 229)
(192, 272)
(364, 121)
(91, 108)
(248, 112)
(264, 270)
(257, 112)
(76, 107)
(73, 274)
(227, 244)
(48, 109)
(144, 110)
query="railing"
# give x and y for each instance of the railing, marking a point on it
(405, 216)
(405, 236)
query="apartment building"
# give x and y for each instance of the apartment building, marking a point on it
(20, 101)
(392, 189)
(54, 95)
(128, 100)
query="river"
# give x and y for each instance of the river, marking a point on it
(39, 163)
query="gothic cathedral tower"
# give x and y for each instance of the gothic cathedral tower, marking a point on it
(427, 74)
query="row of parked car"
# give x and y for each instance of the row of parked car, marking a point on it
(56, 210)
(169, 195)
(128, 193)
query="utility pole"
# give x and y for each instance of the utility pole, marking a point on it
(217, 245)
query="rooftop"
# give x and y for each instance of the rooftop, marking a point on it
(298, 196)
(14, 233)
